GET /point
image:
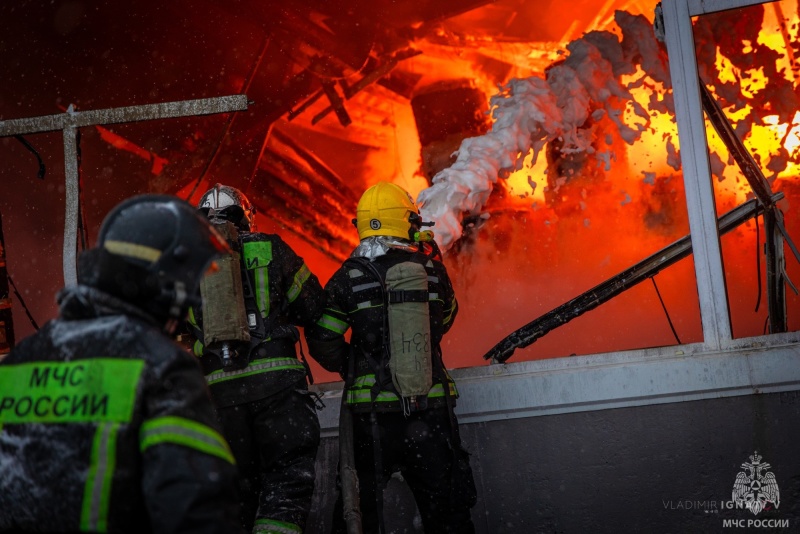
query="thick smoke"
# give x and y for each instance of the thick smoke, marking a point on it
(529, 113)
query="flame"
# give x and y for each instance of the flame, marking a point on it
(601, 106)
(528, 184)
(554, 236)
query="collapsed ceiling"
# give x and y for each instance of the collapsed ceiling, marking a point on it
(331, 86)
(342, 94)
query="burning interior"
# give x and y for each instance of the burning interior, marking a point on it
(541, 140)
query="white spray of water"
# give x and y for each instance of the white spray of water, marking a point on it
(529, 113)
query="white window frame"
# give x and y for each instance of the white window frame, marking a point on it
(712, 293)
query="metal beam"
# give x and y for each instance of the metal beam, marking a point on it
(70, 121)
(72, 205)
(641, 377)
(166, 110)
(616, 285)
(773, 218)
(711, 288)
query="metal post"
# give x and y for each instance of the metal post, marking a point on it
(69, 123)
(72, 207)
(712, 292)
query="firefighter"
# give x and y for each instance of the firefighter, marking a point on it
(105, 422)
(395, 295)
(257, 382)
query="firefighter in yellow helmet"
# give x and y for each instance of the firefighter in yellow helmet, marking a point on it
(396, 297)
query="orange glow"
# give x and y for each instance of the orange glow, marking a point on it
(543, 238)
(553, 237)
(527, 186)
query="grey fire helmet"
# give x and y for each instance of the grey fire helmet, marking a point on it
(225, 202)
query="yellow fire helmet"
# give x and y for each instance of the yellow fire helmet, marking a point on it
(386, 209)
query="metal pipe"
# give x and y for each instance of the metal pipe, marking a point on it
(72, 206)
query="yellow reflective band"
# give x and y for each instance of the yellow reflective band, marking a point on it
(184, 432)
(93, 390)
(364, 396)
(255, 367)
(361, 391)
(262, 290)
(97, 491)
(132, 250)
(451, 311)
(300, 278)
(273, 526)
(333, 324)
(191, 319)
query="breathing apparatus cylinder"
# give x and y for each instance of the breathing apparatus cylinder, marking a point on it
(409, 332)
(225, 328)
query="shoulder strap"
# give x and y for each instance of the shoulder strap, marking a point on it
(382, 379)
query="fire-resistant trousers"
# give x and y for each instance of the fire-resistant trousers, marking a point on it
(274, 441)
(420, 447)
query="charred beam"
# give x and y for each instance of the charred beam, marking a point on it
(612, 287)
(321, 175)
(773, 218)
(776, 262)
(295, 217)
(336, 103)
(373, 76)
(749, 167)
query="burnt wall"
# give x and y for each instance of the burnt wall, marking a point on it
(656, 468)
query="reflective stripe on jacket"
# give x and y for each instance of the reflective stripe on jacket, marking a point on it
(356, 301)
(361, 391)
(281, 289)
(109, 424)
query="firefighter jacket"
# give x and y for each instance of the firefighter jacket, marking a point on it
(355, 301)
(106, 426)
(280, 293)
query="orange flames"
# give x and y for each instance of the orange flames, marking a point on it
(546, 238)
(545, 235)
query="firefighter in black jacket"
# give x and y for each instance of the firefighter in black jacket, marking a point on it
(105, 422)
(395, 295)
(257, 382)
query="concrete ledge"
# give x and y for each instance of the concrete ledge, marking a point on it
(613, 380)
